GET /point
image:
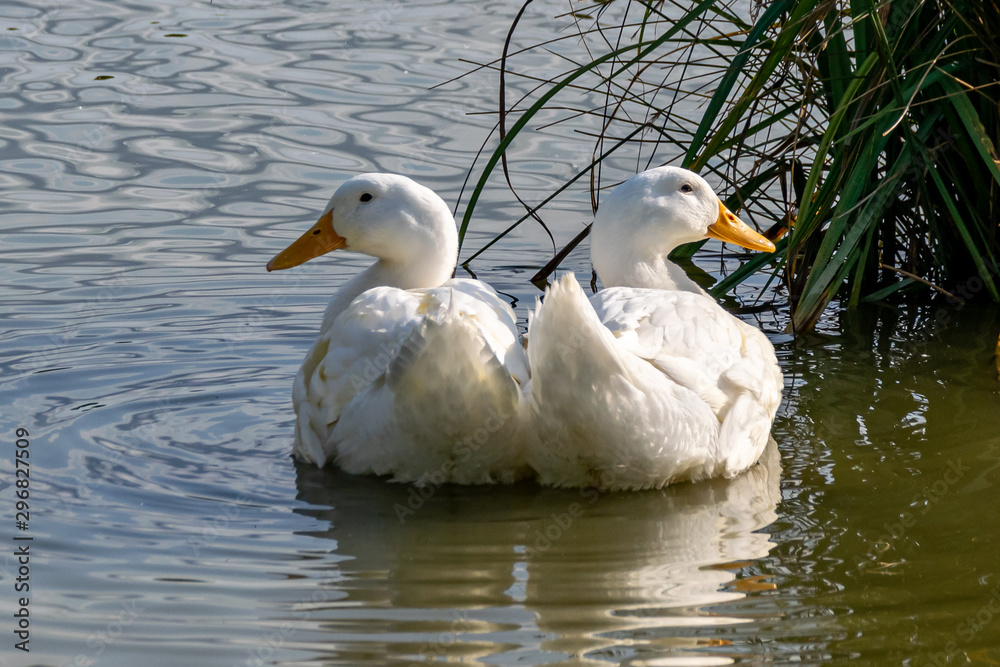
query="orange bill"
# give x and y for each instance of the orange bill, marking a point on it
(730, 229)
(319, 240)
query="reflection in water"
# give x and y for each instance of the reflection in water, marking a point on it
(476, 571)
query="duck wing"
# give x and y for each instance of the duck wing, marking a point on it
(638, 388)
(423, 385)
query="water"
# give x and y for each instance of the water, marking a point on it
(155, 157)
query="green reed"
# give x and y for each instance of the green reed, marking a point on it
(867, 129)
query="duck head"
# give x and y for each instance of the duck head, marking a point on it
(387, 216)
(652, 213)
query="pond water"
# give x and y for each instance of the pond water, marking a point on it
(154, 157)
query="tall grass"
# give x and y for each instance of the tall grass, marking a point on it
(866, 129)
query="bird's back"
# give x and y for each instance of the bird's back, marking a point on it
(640, 387)
(422, 384)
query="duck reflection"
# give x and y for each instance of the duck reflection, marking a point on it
(454, 572)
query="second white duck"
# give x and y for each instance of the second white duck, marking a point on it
(650, 381)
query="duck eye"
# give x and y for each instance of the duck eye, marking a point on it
(686, 188)
(366, 197)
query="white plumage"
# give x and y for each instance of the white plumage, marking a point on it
(413, 375)
(424, 378)
(650, 381)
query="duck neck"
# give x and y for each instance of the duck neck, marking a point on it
(630, 266)
(660, 273)
(388, 273)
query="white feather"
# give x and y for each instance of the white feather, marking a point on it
(424, 378)
(420, 384)
(650, 381)
(413, 375)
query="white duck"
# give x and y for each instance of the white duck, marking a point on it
(650, 381)
(413, 375)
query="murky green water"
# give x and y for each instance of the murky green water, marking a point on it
(153, 158)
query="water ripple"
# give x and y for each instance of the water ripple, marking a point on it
(155, 156)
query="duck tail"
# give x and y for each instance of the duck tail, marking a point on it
(568, 341)
(573, 359)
